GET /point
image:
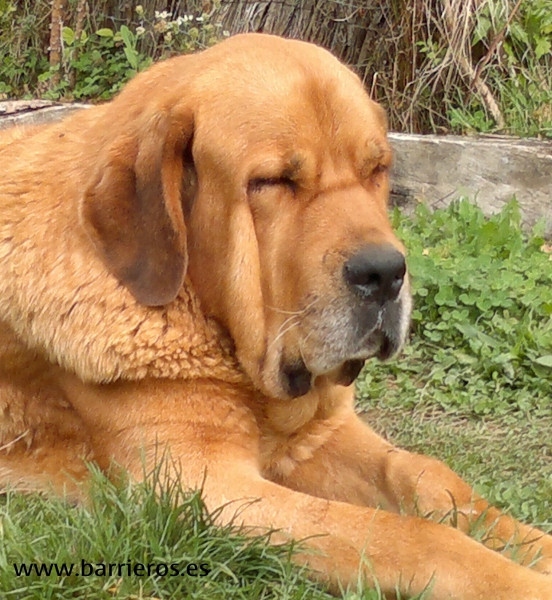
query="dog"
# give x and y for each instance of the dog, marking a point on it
(203, 265)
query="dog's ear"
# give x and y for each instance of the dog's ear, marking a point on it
(132, 210)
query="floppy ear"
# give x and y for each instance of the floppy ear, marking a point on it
(132, 211)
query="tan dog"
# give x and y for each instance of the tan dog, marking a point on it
(204, 264)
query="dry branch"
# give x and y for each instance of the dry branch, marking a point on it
(459, 36)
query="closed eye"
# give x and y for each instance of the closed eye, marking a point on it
(377, 171)
(371, 169)
(372, 174)
(260, 183)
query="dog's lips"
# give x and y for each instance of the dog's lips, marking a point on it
(349, 371)
(297, 376)
(375, 344)
(379, 345)
(386, 348)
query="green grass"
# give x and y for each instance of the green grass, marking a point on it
(474, 388)
(126, 524)
(507, 459)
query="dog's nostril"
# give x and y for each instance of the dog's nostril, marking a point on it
(374, 279)
(376, 272)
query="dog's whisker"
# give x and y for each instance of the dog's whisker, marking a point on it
(294, 312)
(282, 332)
(285, 312)
(285, 323)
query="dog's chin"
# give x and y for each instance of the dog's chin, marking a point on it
(298, 377)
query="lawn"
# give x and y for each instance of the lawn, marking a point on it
(474, 388)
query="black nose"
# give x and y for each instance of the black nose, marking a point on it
(376, 272)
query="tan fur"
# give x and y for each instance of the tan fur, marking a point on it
(164, 258)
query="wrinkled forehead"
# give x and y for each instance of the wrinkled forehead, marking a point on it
(274, 100)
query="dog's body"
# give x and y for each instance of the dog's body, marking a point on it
(203, 265)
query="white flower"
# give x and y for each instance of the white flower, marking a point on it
(140, 31)
(162, 16)
(199, 19)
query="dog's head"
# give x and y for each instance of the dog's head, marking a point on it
(259, 168)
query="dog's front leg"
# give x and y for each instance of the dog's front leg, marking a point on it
(213, 440)
(358, 466)
(343, 543)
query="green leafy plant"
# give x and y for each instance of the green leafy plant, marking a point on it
(96, 64)
(482, 325)
(22, 57)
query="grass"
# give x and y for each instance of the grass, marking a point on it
(126, 524)
(473, 388)
(179, 551)
(508, 459)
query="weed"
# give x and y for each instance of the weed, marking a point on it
(97, 63)
(520, 75)
(482, 325)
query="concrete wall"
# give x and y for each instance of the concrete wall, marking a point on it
(436, 169)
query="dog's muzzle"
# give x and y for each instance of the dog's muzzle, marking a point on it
(369, 319)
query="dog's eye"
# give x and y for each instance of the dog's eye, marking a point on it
(371, 171)
(260, 183)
